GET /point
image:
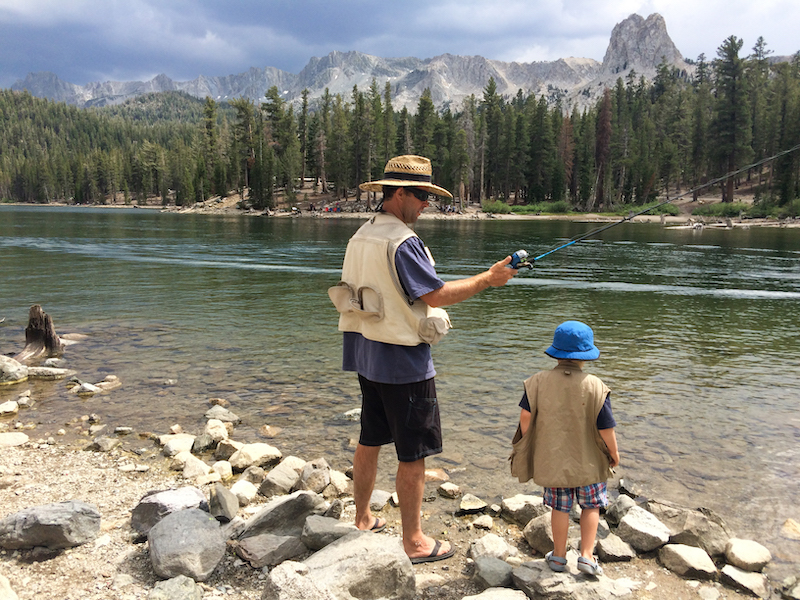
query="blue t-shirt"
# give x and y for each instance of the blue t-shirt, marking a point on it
(605, 418)
(391, 363)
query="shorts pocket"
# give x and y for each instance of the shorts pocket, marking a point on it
(423, 413)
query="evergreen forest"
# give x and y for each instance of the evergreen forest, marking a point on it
(640, 141)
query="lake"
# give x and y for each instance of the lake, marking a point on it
(698, 333)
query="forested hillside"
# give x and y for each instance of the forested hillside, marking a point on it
(641, 140)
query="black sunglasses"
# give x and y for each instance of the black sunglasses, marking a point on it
(420, 195)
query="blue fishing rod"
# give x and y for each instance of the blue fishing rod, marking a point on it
(519, 259)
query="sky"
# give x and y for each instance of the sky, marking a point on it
(84, 41)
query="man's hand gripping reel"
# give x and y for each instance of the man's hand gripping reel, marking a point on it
(519, 260)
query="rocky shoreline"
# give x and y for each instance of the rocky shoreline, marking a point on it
(256, 523)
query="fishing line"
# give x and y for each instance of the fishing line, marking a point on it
(522, 263)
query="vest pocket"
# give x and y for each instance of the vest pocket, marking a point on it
(365, 302)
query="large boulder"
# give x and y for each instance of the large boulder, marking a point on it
(156, 505)
(366, 566)
(700, 527)
(12, 371)
(55, 526)
(642, 530)
(293, 581)
(285, 515)
(188, 542)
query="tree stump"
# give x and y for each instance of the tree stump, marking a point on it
(41, 339)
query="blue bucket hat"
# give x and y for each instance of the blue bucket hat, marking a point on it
(573, 340)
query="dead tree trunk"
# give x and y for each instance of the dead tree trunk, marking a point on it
(41, 339)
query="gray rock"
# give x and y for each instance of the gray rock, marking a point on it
(491, 572)
(176, 443)
(617, 509)
(320, 531)
(177, 588)
(244, 491)
(470, 505)
(642, 530)
(9, 408)
(53, 526)
(257, 454)
(491, 545)
(285, 515)
(372, 566)
(449, 490)
(613, 549)
(498, 594)
(335, 510)
(222, 503)
(268, 550)
(203, 443)
(537, 581)
(6, 591)
(315, 476)
(279, 480)
(293, 581)
(790, 588)
(539, 534)
(49, 373)
(222, 414)
(747, 554)
(14, 438)
(104, 444)
(226, 449)
(156, 505)
(340, 485)
(700, 527)
(254, 475)
(378, 499)
(520, 509)
(687, 561)
(753, 583)
(188, 542)
(12, 371)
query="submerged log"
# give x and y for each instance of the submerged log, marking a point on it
(41, 339)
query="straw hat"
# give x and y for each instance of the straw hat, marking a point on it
(408, 170)
(573, 340)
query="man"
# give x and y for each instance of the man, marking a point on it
(389, 300)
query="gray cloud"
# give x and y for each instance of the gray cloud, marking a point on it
(99, 40)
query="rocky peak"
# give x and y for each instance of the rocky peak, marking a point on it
(640, 44)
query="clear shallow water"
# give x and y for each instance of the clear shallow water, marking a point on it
(698, 331)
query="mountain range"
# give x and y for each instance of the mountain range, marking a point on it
(636, 44)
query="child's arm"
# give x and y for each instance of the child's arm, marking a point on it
(610, 438)
(524, 420)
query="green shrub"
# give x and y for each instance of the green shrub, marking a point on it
(496, 207)
(721, 209)
(559, 207)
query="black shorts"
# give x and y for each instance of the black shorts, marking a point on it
(406, 414)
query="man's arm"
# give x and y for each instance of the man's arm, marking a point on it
(453, 292)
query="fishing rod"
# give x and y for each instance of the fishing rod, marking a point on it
(519, 259)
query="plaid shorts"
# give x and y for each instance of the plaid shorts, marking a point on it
(589, 496)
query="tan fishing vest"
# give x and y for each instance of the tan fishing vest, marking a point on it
(370, 298)
(562, 446)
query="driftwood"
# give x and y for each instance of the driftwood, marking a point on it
(41, 339)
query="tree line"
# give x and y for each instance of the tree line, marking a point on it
(640, 140)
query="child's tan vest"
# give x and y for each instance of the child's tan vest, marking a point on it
(369, 297)
(562, 446)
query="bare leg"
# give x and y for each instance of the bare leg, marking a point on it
(410, 488)
(590, 517)
(559, 521)
(365, 470)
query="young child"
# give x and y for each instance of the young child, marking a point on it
(566, 441)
